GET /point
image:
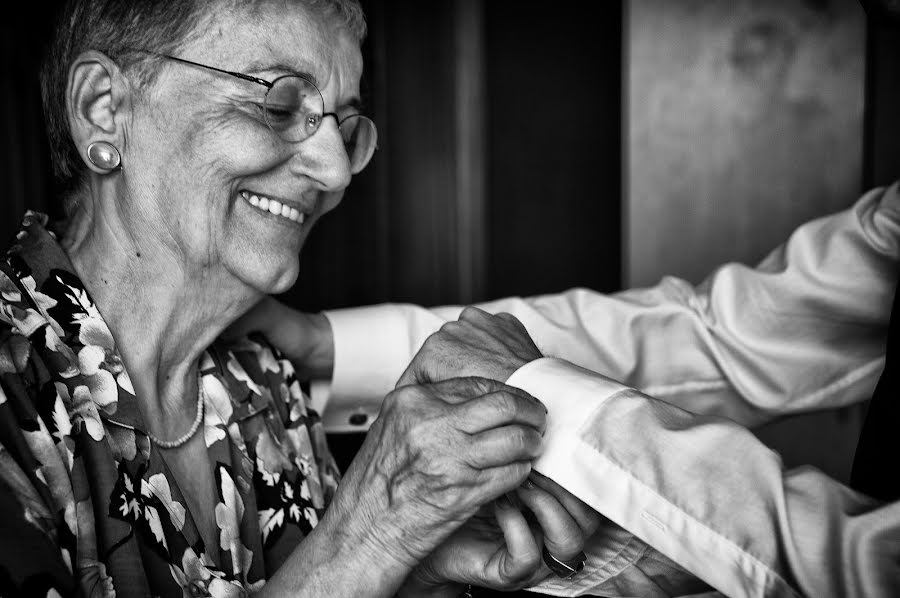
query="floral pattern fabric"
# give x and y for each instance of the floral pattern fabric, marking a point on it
(89, 505)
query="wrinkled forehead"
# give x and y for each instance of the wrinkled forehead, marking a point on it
(281, 36)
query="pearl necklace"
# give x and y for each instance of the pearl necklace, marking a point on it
(201, 404)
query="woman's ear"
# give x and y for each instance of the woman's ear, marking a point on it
(97, 103)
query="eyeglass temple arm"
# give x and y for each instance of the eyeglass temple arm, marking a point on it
(212, 68)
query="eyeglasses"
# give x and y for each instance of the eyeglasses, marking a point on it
(293, 108)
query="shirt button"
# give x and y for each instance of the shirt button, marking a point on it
(358, 419)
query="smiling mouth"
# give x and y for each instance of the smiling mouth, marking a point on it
(273, 206)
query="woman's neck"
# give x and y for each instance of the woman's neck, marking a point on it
(162, 310)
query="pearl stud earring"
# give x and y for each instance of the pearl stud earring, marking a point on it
(104, 156)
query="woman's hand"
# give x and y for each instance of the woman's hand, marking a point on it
(497, 548)
(477, 344)
(435, 454)
(500, 547)
(304, 338)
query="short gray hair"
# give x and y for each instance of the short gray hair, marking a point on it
(118, 29)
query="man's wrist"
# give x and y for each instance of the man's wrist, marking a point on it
(321, 362)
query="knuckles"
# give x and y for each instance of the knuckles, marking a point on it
(504, 405)
(449, 328)
(524, 442)
(516, 575)
(472, 314)
(423, 456)
(520, 441)
(409, 401)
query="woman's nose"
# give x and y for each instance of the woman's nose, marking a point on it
(323, 157)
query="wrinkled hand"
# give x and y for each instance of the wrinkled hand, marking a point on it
(497, 548)
(477, 344)
(435, 454)
(500, 548)
(566, 520)
(305, 338)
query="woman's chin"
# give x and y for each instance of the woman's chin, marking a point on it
(270, 279)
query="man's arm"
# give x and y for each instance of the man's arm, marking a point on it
(701, 490)
(803, 330)
(706, 493)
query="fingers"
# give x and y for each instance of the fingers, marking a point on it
(563, 536)
(480, 318)
(494, 481)
(513, 321)
(587, 518)
(474, 315)
(522, 557)
(478, 343)
(461, 390)
(409, 375)
(499, 446)
(504, 407)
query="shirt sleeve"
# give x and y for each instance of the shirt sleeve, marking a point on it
(805, 329)
(707, 494)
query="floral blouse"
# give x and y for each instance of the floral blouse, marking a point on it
(89, 507)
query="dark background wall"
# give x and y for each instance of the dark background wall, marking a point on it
(471, 180)
(491, 177)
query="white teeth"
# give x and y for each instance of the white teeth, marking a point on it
(274, 206)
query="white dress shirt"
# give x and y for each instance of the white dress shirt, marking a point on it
(804, 330)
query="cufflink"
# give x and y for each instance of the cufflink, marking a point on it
(358, 419)
(564, 569)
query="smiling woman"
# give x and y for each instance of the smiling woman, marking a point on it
(139, 454)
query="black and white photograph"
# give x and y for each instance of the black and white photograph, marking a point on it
(450, 299)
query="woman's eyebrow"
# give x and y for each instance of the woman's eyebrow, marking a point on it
(287, 69)
(355, 103)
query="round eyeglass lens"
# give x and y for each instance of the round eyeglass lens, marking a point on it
(360, 138)
(293, 107)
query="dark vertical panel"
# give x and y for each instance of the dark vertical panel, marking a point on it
(882, 122)
(26, 180)
(394, 236)
(422, 146)
(471, 150)
(554, 109)
(346, 258)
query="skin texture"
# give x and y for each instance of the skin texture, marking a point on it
(171, 225)
(172, 254)
(477, 344)
(499, 547)
(495, 346)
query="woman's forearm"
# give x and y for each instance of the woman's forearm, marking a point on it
(336, 562)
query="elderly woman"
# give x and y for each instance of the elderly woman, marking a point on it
(198, 142)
